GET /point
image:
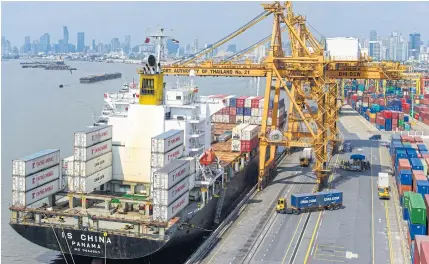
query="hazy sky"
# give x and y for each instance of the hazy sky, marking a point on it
(209, 21)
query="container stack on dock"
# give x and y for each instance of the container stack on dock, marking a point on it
(35, 177)
(91, 165)
(410, 160)
(245, 138)
(247, 110)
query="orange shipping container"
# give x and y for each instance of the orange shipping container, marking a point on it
(405, 188)
(418, 176)
(404, 164)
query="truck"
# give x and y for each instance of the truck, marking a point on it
(307, 202)
(383, 185)
(306, 158)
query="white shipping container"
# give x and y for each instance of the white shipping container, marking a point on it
(30, 197)
(166, 197)
(255, 112)
(164, 213)
(236, 131)
(85, 154)
(24, 184)
(192, 181)
(236, 145)
(261, 103)
(88, 184)
(92, 136)
(192, 164)
(86, 168)
(246, 119)
(259, 121)
(383, 180)
(249, 132)
(67, 166)
(167, 141)
(35, 162)
(240, 119)
(171, 174)
(160, 160)
(69, 183)
(248, 101)
(225, 119)
(254, 120)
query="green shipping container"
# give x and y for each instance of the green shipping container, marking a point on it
(425, 166)
(401, 122)
(407, 199)
(417, 209)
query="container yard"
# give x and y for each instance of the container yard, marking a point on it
(395, 110)
(100, 77)
(410, 161)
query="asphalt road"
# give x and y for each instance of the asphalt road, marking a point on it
(366, 230)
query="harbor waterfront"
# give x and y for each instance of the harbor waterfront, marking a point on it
(55, 114)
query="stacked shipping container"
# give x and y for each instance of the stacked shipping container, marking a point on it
(248, 110)
(244, 138)
(91, 165)
(170, 176)
(410, 167)
(35, 177)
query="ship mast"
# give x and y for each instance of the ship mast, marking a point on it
(160, 38)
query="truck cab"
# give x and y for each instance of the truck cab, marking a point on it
(304, 162)
(375, 137)
(383, 185)
(281, 205)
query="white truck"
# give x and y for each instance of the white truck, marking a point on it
(306, 158)
(383, 185)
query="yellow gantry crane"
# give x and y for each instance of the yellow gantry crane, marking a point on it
(307, 75)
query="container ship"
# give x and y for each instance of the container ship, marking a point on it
(100, 77)
(160, 170)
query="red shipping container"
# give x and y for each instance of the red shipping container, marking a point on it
(387, 114)
(240, 101)
(255, 101)
(245, 146)
(426, 198)
(418, 139)
(426, 156)
(395, 115)
(394, 122)
(424, 253)
(372, 120)
(232, 111)
(418, 239)
(232, 119)
(418, 176)
(405, 188)
(404, 164)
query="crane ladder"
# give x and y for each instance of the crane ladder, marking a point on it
(220, 204)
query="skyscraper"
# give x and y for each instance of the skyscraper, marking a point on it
(65, 40)
(116, 45)
(195, 45)
(414, 46)
(80, 42)
(27, 44)
(93, 45)
(374, 47)
(127, 43)
(45, 43)
(373, 36)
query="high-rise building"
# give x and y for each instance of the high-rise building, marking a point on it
(188, 49)
(210, 54)
(375, 50)
(127, 47)
(115, 45)
(373, 36)
(414, 46)
(45, 43)
(93, 45)
(27, 44)
(195, 45)
(65, 44)
(232, 48)
(100, 48)
(80, 42)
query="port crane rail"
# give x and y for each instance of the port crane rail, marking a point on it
(305, 76)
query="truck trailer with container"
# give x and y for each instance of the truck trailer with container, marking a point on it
(307, 202)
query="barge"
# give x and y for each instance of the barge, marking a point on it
(100, 77)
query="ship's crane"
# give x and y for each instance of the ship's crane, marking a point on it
(305, 75)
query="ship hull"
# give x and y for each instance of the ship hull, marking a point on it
(95, 245)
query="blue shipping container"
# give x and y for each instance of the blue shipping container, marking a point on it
(396, 138)
(401, 153)
(240, 111)
(327, 198)
(406, 118)
(303, 200)
(422, 187)
(247, 111)
(233, 102)
(405, 214)
(412, 153)
(416, 164)
(422, 147)
(424, 152)
(406, 177)
(416, 229)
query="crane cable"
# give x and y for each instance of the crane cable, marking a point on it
(243, 28)
(251, 48)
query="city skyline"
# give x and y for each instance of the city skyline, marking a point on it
(77, 19)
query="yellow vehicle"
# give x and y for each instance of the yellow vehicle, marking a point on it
(281, 205)
(304, 162)
(383, 185)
